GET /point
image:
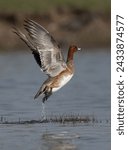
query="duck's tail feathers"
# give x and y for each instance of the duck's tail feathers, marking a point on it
(40, 91)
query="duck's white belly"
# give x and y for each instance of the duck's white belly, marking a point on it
(63, 81)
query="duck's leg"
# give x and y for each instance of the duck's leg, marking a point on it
(47, 95)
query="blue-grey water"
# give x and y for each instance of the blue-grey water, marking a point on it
(88, 93)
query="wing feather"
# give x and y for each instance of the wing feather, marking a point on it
(44, 48)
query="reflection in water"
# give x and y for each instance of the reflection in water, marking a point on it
(60, 141)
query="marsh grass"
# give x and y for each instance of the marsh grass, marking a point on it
(44, 5)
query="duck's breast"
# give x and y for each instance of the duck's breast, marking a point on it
(62, 81)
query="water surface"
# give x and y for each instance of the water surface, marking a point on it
(87, 93)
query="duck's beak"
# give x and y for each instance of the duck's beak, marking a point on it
(79, 49)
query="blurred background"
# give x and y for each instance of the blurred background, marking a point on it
(83, 22)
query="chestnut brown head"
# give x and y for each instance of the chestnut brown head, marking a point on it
(74, 48)
(71, 51)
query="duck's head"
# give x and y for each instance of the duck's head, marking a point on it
(74, 48)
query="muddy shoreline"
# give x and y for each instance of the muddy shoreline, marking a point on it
(68, 26)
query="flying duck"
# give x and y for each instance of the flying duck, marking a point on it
(49, 57)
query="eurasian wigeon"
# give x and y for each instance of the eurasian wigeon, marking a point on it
(49, 57)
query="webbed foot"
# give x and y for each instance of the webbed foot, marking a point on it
(47, 95)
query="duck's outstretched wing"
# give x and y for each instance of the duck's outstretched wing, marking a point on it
(44, 48)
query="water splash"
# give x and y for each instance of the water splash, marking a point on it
(43, 113)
